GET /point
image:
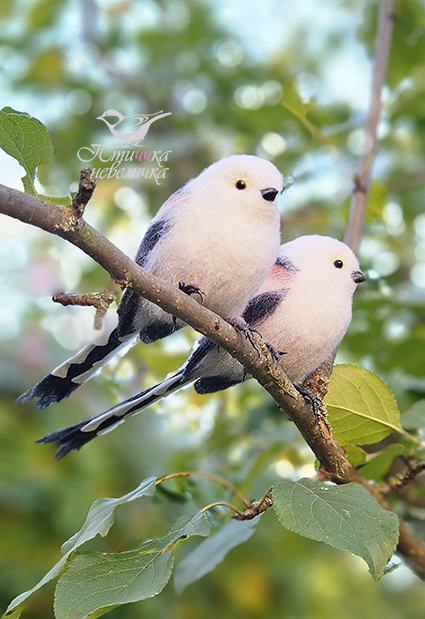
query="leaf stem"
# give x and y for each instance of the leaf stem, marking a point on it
(210, 477)
(225, 504)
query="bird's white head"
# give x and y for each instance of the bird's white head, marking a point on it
(323, 263)
(245, 180)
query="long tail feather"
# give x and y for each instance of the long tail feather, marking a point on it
(66, 378)
(74, 437)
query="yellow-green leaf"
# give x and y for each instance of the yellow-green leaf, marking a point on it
(380, 463)
(356, 455)
(63, 201)
(361, 406)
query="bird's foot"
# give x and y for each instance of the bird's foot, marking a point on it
(243, 327)
(190, 289)
(276, 354)
(317, 405)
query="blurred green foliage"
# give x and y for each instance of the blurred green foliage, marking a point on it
(66, 63)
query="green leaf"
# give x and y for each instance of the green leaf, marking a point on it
(414, 417)
(212, 551)
(26, 139)
(94, 583)
(99, 520)
(381, 462)
(375, 465)
(361, 407)
(346, 517)
(65, 201)
(355, 454)
(101, 515)
(185, 527)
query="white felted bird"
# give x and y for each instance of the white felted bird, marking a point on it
(130, 129)
(303, 309)
(218, 236)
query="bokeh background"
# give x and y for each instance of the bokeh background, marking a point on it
(285, 79)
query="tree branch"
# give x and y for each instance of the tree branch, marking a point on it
(363, 178)
(100, 300)
(335, 465)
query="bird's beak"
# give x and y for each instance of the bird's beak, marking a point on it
(358, 277)
(100, 117)
(269, 193)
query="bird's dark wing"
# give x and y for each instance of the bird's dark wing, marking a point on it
(263, 305)
(154, 233)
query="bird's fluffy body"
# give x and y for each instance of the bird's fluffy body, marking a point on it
(303, 310)
(316, 310)
(203, 239)
(210, 233)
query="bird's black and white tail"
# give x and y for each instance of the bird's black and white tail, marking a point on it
(67, 377)
(208, 367)
(74, 437)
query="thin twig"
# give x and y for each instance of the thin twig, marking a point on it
(363, 178)
(210, 477)
(405, 477)
(238, 514)
(84, 192)
(100, 300)
(258, 507)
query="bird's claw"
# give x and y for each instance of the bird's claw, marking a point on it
(190, 289)
(242, 327)
(317, 406)
(276, 354)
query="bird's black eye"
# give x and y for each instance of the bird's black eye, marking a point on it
(338, 264)
(240, 184)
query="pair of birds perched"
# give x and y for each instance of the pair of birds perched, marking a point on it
(218, 237)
